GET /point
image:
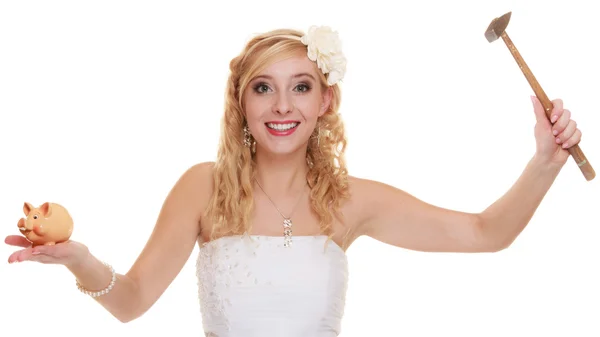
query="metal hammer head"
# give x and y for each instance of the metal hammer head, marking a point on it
(497, 27)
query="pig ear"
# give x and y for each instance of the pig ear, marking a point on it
(46, 209)
(27, 207)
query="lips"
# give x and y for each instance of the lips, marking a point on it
(282, 128)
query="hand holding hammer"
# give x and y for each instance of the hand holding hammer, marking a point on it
(497, 29)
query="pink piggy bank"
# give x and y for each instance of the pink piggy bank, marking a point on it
(47, 225)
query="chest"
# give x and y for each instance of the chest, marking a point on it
(268, 217)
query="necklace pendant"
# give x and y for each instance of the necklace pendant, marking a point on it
(287, 232)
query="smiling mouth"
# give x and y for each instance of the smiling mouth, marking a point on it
(282, 126)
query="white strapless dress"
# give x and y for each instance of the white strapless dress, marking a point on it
(253, 286)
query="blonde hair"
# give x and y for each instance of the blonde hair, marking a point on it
(232, 203)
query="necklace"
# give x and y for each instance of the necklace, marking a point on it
(287, 221)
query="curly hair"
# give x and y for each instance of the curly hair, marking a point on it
(231, 204)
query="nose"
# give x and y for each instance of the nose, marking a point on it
(24, 225)
(283, 104)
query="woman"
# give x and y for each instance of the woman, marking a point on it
(275, 213)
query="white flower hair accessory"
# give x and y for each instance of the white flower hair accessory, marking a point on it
(325, 48)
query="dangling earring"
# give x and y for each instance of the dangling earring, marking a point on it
(247, 136)
(318, 136)
(249, 141)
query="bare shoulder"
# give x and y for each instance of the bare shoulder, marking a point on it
(363, 191)
(195, 187)
(364, 195)
(200, 174)
(187, 199)
(183, 206)
(358, 184)
(371, 198)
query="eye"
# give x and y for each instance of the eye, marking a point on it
(261, 88)
(302, 87)
(35, 217)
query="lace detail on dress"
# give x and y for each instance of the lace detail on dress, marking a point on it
(221, 268)
(253, 286)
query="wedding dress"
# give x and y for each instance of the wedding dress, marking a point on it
(253, 286)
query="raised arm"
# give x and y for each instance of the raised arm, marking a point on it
(395, 217)
(167, 250)
(400, 219)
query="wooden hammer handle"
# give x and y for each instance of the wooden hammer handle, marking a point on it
(575, 151)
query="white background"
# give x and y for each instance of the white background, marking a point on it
(105, 104)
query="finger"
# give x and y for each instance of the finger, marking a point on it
(12, 258)
(562, 122)
(557, 110)
(29, 255)
(19, 255)
(573, 140)
(17, 240)
(44, 254)
(567, 132)
(538, 110)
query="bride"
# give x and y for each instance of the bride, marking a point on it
(275, 213)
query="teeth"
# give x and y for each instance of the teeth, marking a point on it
(281, 127)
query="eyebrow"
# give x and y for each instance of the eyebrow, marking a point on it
(294, 76)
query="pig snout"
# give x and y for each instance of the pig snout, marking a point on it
(24, 225)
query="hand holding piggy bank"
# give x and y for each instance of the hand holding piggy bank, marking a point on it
(47, 225)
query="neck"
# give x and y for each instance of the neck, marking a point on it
(281, 174)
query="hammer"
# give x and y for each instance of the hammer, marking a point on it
(497, 29)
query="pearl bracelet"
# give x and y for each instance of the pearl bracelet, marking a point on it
(103, 291)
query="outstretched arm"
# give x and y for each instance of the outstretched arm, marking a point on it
(167, 250)
(395, 217)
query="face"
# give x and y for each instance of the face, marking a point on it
(283, 103)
